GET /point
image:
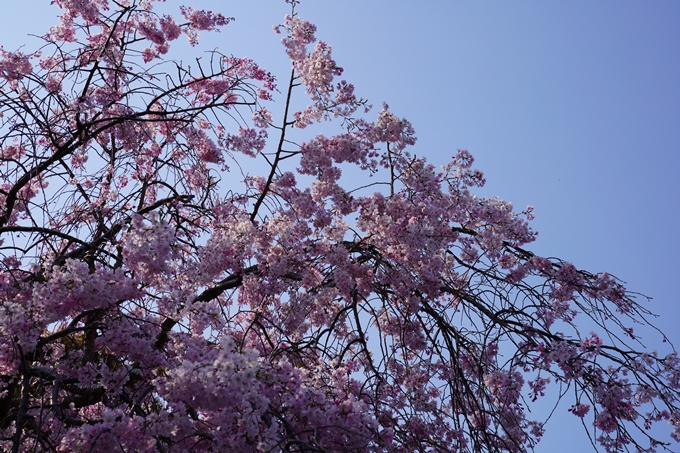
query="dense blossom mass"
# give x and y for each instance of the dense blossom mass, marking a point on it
(181, 272)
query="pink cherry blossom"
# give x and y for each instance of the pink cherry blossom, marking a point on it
(183, 269)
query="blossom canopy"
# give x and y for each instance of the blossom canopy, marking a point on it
(181, 272)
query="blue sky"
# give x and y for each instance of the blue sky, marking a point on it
(572, 107)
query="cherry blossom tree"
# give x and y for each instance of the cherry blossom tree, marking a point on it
(181, 272)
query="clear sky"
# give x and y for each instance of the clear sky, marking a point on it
(572, 107)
